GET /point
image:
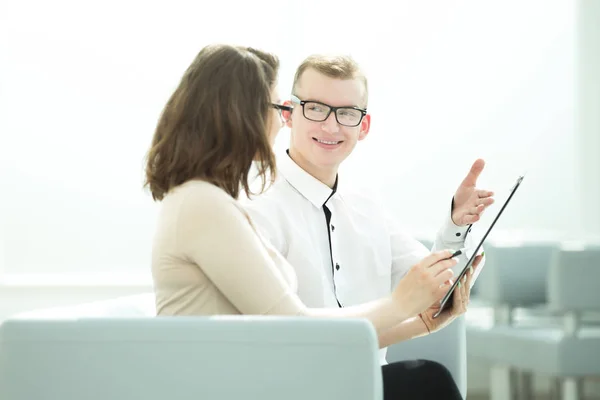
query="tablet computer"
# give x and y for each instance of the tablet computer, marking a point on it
(446, 301)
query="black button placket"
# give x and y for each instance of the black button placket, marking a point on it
(330, 229)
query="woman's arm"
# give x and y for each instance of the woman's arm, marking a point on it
(408, 329)
(217, 237)
(383, 313)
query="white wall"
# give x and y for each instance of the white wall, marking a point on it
(82, 87)
(587, 117)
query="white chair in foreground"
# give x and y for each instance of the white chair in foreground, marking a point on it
(446, 347)
(84, 352)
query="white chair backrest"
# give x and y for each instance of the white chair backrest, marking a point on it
(158, 358)
(573, 279)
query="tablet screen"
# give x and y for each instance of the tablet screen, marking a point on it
(446, 300)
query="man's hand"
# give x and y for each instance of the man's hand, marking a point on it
(469, 203)
(460, 302)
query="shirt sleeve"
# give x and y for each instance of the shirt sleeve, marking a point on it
(216, 235)
(265, 216)
(452, 236)
(407, 251)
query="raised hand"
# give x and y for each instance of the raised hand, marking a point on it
(469, 202)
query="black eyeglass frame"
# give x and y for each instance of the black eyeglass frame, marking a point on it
(363, 111)
(281, 107)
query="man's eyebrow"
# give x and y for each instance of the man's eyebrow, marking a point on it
(344, 106)
(314, 99)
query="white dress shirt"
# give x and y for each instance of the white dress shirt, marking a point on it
(344, 248)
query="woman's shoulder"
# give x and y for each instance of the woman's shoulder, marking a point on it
(200, 198)
(200, 191)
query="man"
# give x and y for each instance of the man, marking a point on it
(343, 248)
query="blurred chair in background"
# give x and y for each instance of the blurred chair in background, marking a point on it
(539, 294)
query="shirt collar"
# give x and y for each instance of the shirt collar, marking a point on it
(310, 187)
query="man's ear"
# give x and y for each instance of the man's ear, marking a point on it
(365, 125)
(287, 115)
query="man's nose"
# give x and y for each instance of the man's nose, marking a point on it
(330, 125)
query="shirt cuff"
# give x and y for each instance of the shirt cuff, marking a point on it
(452, 233)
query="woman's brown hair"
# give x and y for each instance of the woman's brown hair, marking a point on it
(216, 123)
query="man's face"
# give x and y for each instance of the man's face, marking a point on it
(323, 145)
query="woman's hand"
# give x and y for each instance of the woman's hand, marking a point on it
(425, 283)
(460, 302)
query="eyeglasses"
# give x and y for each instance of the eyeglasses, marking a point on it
(319, 112)
(280, 108)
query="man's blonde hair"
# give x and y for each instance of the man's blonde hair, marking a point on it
(333, 66)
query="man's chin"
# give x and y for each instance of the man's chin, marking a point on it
(329, 162)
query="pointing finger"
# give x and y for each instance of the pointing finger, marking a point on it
(476, 168)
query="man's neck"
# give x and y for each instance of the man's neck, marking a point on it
(325, 175)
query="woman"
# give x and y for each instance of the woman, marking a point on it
(207, 257)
